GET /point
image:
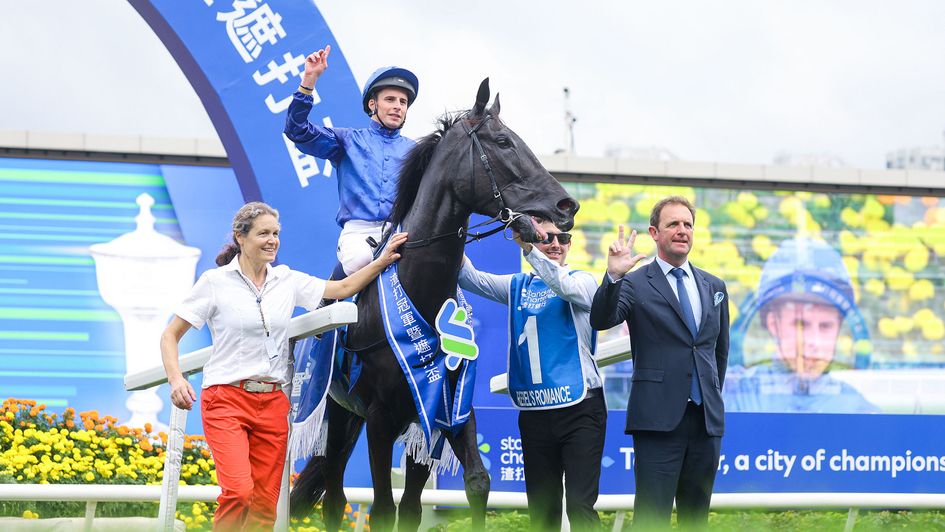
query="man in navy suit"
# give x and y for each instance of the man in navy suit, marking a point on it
(678, 319)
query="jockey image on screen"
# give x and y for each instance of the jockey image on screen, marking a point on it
(804, 298)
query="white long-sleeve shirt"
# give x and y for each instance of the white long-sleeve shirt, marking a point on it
(577, 289)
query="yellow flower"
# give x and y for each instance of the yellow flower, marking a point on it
(917, 258)
(887, 328)
(875, 287)
(851, 218)
(921, 290)
(872, 208)
(898, 279)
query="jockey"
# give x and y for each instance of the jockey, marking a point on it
(367, 160)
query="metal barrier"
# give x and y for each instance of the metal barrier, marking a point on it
(304, 326)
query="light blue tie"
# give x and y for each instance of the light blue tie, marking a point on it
(695, 390)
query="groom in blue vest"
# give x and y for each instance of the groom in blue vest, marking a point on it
(678, 319)
(553, 378)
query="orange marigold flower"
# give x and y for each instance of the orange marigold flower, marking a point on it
(70, 424)
(88, 424)
(147, 427)
(99, 427)
(122, 430)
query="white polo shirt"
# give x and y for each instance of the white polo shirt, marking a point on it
(225, 299)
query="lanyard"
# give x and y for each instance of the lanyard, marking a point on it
(259, 295)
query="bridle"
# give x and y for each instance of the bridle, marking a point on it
(504, 218)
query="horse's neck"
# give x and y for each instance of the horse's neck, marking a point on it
(429, 273)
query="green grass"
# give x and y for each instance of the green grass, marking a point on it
(791, 521)
(517, 521)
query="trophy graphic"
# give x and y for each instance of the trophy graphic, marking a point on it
(142, 275)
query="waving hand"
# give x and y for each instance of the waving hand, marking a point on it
(620, 257)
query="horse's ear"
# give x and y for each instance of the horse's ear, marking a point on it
(494, 110)
(482, 98)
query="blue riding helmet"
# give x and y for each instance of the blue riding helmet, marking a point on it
(806, 270)
(390, 76)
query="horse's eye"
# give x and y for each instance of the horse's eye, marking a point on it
(503, 141)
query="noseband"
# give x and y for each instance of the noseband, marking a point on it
(505, 217)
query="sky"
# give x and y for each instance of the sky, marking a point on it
(735, 81)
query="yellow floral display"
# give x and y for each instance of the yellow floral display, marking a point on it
(37, 447)
(892, 246)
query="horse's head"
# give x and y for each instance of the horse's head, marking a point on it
(507, 178)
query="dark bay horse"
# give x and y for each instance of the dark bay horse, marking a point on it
(472, 163)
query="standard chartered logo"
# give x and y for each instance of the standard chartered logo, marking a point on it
(457, 339)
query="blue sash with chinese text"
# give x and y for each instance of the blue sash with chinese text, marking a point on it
(417, 348)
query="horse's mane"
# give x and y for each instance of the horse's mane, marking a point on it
(416, 163)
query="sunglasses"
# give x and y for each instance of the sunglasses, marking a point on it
(563, 238)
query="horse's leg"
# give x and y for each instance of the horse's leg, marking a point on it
(475, 476)
(381, 434)
(410, 509)
(340, 444)
(324, 475)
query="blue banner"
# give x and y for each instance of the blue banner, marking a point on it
(767, 453)
(244, 59)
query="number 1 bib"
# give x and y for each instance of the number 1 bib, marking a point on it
(545, 368)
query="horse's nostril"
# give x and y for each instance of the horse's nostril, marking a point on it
(567, 205)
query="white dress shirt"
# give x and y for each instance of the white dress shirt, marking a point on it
(691, 289)
(225, 299)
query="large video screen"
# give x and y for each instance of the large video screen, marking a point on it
(836, 299)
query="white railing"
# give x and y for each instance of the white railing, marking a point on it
(304, 326)
(93, 493)
(327, 318)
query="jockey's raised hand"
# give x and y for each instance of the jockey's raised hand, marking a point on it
(315, 64)
(620, 257)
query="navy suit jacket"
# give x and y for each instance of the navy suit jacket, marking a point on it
(662, 346)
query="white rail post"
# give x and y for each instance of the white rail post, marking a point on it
(173, 457)
(89, 516)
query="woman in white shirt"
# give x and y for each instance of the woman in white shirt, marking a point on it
(248, 304)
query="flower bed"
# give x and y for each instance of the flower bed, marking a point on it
(38, 447)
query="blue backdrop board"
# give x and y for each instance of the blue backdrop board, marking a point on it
(770, 453)
(244, 60)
